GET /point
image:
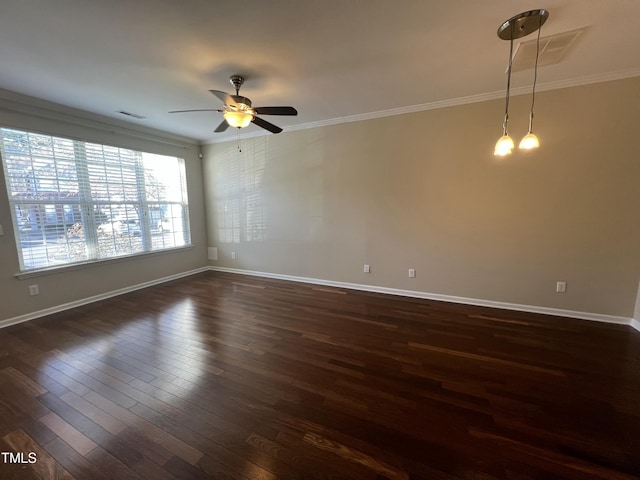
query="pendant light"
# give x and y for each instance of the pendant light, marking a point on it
(530, 140)
(517, 27)
(504, 145)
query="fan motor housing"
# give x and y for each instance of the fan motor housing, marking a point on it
(240, 99)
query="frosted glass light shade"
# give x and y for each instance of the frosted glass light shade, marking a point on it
(238, 119)
(529, 142)
(504, 145)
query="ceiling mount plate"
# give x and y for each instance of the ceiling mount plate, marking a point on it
(236, 81)
(523, 24)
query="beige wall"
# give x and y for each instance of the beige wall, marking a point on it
(423, 191)
(74, 286)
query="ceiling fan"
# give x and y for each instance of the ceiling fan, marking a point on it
(238, 111)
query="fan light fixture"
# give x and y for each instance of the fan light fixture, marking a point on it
(238, 118)
(517, 27)
(238, 111)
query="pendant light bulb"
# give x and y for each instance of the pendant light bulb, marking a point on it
(504, 146)
(529, 142)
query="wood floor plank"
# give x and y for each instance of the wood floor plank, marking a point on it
(75, 463)
(355, 456)
(44, 465)
(15, 471)
(109, 463)
(181, 469)
(47, 383)
(106, 421)
(20, 380)
(300, 466)
(38, 431)
(143, 443)
(168, 441)
(226, 376)
(489, 359)
(21, 401)
(50, 373)
(93, 382)
(76, 440)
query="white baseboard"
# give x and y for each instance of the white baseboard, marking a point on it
(635, 324)
(96, 298)
(598, 317)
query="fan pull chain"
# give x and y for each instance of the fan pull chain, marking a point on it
(238, 140)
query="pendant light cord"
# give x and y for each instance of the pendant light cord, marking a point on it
(506, 106)
(535, 75)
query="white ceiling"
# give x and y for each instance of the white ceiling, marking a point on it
(334, 60)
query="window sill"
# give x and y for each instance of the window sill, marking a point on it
(41, 272)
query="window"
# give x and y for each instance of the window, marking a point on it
(76, 202)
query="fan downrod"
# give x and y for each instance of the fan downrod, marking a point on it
(236, 81)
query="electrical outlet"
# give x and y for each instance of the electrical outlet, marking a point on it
(34, 290)
(412, 273)
(233, 255)
(561, 287)
(367, 268)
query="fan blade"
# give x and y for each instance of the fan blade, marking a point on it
(199, 110)
(276, 111)
(222, 127)
(266, 125)
(225, 97)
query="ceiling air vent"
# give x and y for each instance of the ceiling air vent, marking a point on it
(552, 50)
(129, 114)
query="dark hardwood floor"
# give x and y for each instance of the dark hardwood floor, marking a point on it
(233, 377)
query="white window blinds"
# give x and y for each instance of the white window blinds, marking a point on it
(74, 201)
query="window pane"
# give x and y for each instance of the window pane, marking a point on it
(170, 230)
(121, 232)
(164, 180)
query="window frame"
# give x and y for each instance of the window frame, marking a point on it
(85, 209)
